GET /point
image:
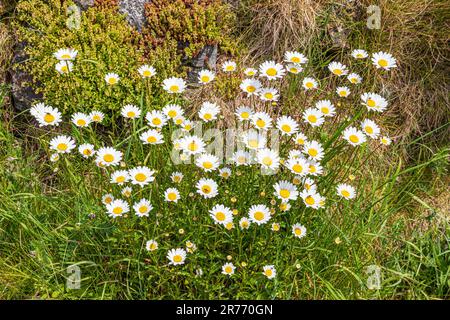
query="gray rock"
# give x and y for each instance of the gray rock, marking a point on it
(206, 59)
(84, 4)
(23, 95)
(134, 11)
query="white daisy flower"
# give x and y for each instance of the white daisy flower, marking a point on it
(207, 162)
(354, 136)
(269, 94)
(262, 121)
(120, 177)
(326, 108)
(343, 92)
(242, 158)
(385, 140)
(117, 208)
(206, 76)
(147, 71)
(384, 60)
(250, 86)
(187, 125)
(285, 191)
(228, 269)
(173, 111)
(298, 230)
(176, 177)
(174, 85)
(62, 144)
(374, 102)
(309, 83)
(54, 157)
(152, 136)
(108, 156)
(345, 191)
(172, 195)
(65, 54)
(314, 168)
(112, 78)
(64, 67)
(287, 125)
(192, 145)
(298, 166)
(107, 198)
(209, 111)
(370, 128)
(244, 113)
(295, 57)
(156, 118)
(314, 117)
(338, 68)
(259, 214)
(225, 172)
(269, 271)
(176, 256)
(359, 54)
(300, 139)
(271, 70)
(86, 150)
(221, 214)
(314, 150)
(250, 72)
(46, 115)
(81, 120)
(229, 66)
(354, 78)
(142, 208)
(141, 175)
(151, 245)
(310, 198)
(244, 223)
(96, 116)
(294, 68)
(253, 139)
(127, 192)
(207, 188)
(268, 158)
(130, 111)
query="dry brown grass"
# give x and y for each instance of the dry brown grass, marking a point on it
(5, 51)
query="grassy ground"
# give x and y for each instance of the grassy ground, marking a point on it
(399, 222)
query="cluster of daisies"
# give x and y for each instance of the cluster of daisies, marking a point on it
(300, 166)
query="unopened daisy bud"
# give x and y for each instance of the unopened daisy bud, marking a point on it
(181, 231)
(298, 266)
(272, 211)
(123, 164)
(351, 177)
(233, 199)
(238, 173)
(235, 212)
(229, 225)
(262, 194)
(337, 240)
(191, 194)
(244, 264)
(273, 202)
(227, 191)
(229, 258)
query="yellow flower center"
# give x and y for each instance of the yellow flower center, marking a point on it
(147, 73)
(345, 193)
(293, 70)
(298, 231)
(383, 63)
(261, 123)
(151, 139)
(112, 80)
(131, 114)
(220, 216)
(309, 85)
(207, 165)
(312, 152)
(172, 196)
(300, 141)
(177, 258)
(295, 60)
(267, 161)
(371, 103)
(354, 138)
(49, 118)
(368, 129)
(62, 147)
(81, 122)
(245, 115)
(253, 143)
(120, 179)
(108, 158)
(174, 88)
(96, 118)
(337, 72)
(87, 152)
(342, 93)
(207, 116)
(312, 118)
(271, 72)
(251, 89)
(268, 272)
(268, 95)
(140, 177)
(64, 69)
(206, 189)
(172, 113)
(192, 146)
(228, 269)
(117, 210)
(156, 121)
(153, 246)
(259, 215)
(353, 80)
(312, 169)
(297, 168)
(229, 68)
(143, 209)
(284, 193)
(65, 56)
(242, 159)
(204, 79)
(325, 110)
(310, 200)
(108, 200)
